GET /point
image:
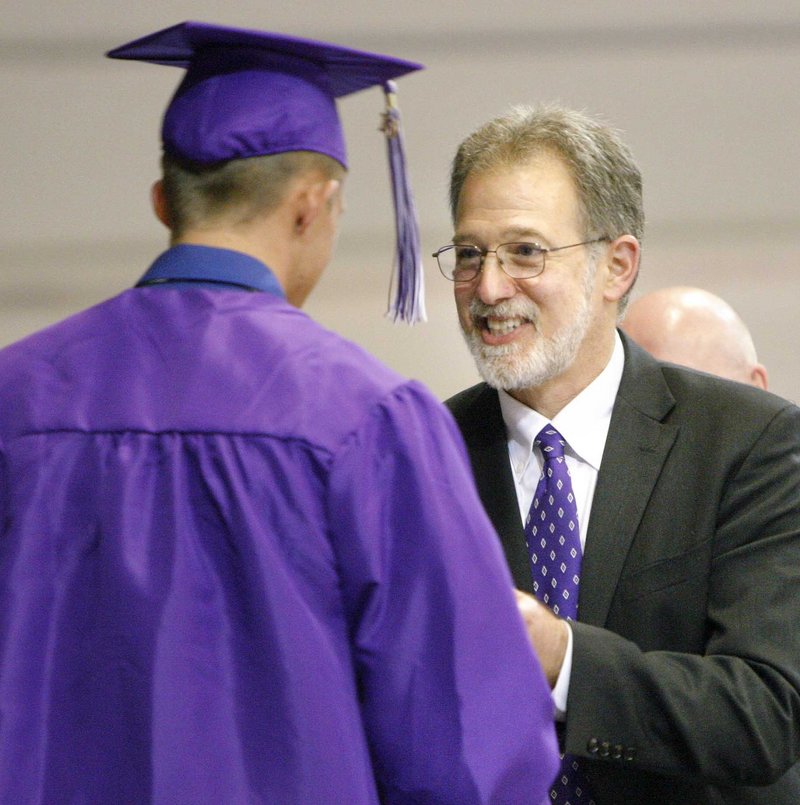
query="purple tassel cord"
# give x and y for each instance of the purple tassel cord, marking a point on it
(408, 283)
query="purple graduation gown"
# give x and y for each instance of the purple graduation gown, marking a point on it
(243, 562)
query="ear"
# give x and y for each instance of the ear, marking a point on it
(312, 199)
(622, 264)
(158, 200)
(758, 376)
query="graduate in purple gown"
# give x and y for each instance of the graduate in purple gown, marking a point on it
(242, 561)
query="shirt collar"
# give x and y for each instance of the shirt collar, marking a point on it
(207, 264)
(583, 422)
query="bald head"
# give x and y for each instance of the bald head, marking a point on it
(694, 328)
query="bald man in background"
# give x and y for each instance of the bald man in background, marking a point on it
(695, 328)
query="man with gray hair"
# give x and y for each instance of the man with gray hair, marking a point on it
(649, 513)
(695, 328)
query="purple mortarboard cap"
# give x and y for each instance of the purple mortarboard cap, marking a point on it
(252, 93)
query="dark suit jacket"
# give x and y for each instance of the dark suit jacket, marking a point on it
(685, 683)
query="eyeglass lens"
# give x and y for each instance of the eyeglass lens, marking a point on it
(519, 260)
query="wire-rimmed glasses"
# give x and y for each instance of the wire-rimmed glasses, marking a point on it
(462, 262)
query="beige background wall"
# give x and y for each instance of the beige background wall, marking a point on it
(706, 93)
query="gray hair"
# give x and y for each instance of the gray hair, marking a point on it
(607, 180)
(234, 192)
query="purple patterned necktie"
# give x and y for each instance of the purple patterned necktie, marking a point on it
(554, 545)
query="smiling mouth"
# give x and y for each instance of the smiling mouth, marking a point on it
(501, 326)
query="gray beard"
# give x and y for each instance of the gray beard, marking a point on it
(513, 367)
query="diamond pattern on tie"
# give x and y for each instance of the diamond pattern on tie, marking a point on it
(570, 788)
(551, 530)
(552, 536)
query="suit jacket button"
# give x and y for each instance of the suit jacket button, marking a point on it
(630, 752)
(617, 752)
(592, 746)
(605, 749)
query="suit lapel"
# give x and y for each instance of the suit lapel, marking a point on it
(481, 422)
(636, 448)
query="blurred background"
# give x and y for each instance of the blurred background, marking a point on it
(705, 92)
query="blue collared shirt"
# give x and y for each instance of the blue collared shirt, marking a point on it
(212, 268)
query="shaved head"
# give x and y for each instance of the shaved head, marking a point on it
(694, 328)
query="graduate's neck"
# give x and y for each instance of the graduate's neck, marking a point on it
(255, 243)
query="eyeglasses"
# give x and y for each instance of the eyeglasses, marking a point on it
(462, 262)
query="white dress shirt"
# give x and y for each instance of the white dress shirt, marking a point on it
(583, 423)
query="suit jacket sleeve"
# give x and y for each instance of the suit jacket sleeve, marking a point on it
(727, 711)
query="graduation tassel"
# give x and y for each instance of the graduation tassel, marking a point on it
(407, 295)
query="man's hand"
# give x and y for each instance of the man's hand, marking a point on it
(547, 633)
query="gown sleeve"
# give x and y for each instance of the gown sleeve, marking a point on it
(455, 706)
